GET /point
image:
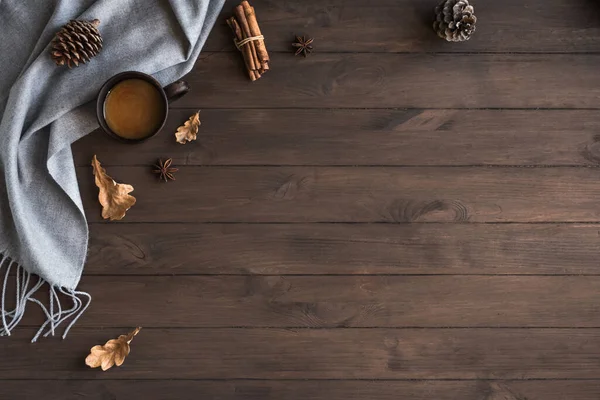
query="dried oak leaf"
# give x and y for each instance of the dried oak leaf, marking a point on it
(187, 132)
(114, 197)
(112, 353)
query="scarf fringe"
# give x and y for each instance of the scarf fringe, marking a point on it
(55, 314)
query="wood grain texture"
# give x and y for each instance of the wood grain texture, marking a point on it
(400, 80)
(406, 26)
(302, 194)
(217, 249)
(343, 249)
(447, 271)
(339, 301)
(301, 390)
(316, 354)
(364, 137)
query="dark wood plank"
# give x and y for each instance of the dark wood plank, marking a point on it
(302, 194)
(406, 26)
(343, 249)
(339, 301)
(316, 354)
(301, 390)
(364, 137)
(399, 80)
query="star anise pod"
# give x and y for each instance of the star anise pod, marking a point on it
(303, 45)
(165, 170)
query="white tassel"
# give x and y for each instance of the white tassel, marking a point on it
(55, 316)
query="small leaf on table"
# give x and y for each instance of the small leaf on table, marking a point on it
(114, 197)
(187, 132)
(112, 353)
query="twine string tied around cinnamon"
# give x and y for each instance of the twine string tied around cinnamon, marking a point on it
(241, 43)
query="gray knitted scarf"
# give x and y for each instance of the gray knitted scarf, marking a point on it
(45, 108)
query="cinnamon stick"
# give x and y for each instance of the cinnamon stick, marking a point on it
(261, 49)
(248, 59)
(245, 26)
(241, 18)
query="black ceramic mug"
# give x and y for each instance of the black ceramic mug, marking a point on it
(164, 96)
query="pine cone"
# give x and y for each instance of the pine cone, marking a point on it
(454, 20)
(76, 42)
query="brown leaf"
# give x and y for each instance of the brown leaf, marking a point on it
(112, 353)
(187, 132)
(114, 197)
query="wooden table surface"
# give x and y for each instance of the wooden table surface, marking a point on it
(394, 217)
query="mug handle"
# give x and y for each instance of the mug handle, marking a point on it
(176, 90)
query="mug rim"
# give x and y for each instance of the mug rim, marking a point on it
(106, 88)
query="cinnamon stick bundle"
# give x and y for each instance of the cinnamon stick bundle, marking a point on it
(249, 40)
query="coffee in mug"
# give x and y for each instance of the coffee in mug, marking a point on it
(132, 106)
(134, 109)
